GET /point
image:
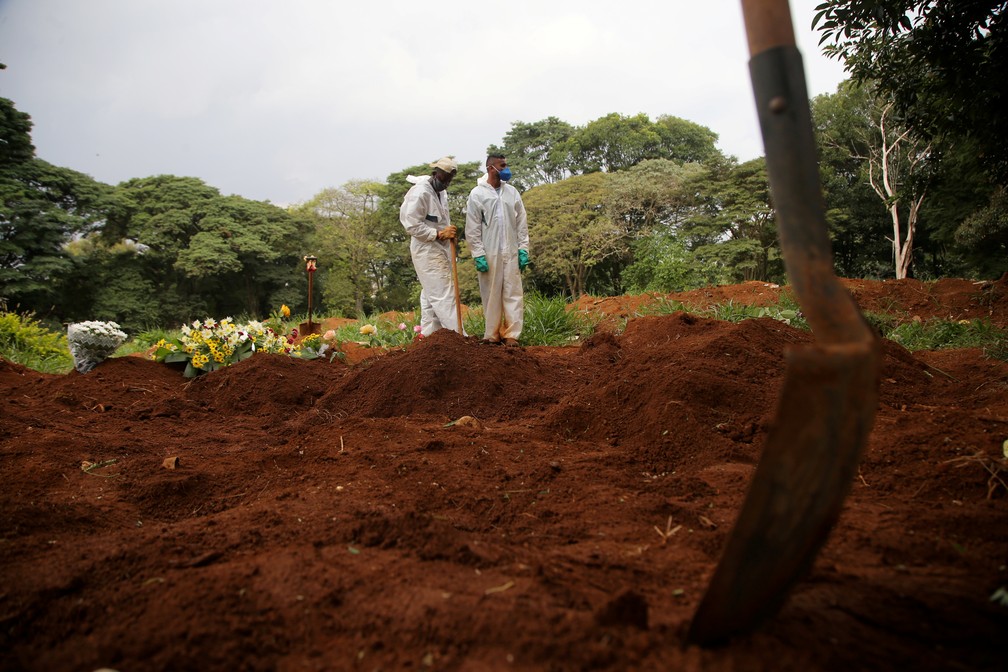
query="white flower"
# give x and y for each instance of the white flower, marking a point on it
(92, 342)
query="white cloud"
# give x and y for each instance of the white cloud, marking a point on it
(278, 100)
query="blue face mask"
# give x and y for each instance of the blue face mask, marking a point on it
(505, 174)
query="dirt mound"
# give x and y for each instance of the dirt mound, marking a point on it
(946, 299)
(327, 517)
(448, 376)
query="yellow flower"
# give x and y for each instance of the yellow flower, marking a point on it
(368, 330)
(284, 310)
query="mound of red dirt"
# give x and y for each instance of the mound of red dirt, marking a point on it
(330, 517)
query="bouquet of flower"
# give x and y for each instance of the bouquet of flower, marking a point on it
(209, 345)
(92, 342)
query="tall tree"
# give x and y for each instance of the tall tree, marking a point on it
(942, 63)
(613, 142)
(570, 230)
(536, 152)
(42, 208)
(897, 161)
(213, 255)
(853, 215)
(350, 244)
(736, 229)
(654, 195)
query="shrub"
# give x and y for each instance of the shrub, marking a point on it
(25, 341)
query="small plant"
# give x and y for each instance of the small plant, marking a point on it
(733, 312)
(24, 341)
(668, 531)
(92, 342)
(662, 305)
(549, 322)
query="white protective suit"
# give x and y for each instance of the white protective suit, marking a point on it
(497, 227)
(423, 213)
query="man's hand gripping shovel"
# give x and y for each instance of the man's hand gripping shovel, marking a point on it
(830, 389)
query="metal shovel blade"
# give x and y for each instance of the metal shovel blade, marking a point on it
(827, 404)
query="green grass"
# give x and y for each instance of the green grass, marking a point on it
(388, 334)
(785, 310)
(949, 334)
(548, 322)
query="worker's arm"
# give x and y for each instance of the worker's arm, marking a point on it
(474, 225)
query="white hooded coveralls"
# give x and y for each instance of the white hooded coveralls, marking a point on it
(423, 213)
(497, 227)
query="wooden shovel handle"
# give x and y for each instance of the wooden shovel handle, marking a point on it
(768, 24)
(455, 282)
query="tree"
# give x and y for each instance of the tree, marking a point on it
(942, 65)
(616, 142)
(736, 230)
(898, 163)
(42, 208)
(210, 254)
(984, 236)
(536, 152)
(613, 142)
(654, 195)
(853, 215)
(685, 141)
(15, 134)
(570, 230)
(653, 200)
(349, 243)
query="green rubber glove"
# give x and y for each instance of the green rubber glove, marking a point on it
(522, 259)
(481, 264)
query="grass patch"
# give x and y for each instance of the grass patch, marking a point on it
(950, 334)
(24, 341)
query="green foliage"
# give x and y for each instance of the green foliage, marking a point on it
(570, 230)
(663, 264)
(786, 310)
(943, 63)
(378, 331)
(42, 207)
(25, 341)
(983, 236)
(943, 334)
(616, 142)
(15, 135)
(215, 254)
(537, 152)
(548, 321)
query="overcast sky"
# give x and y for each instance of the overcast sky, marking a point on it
(278, 99)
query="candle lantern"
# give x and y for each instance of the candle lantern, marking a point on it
(310, 327)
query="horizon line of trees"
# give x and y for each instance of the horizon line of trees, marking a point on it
(622, 204)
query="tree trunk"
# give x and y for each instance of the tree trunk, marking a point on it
(904, 253)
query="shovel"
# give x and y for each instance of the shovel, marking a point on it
(458, 298)
(827, 404)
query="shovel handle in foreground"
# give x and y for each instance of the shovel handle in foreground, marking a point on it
(455, 282)
(827, 404)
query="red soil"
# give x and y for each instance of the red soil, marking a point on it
(331, 517)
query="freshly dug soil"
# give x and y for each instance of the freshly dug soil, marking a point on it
(285, 514)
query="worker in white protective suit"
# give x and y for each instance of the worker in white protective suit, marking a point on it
(424, 214)
(497, 232)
